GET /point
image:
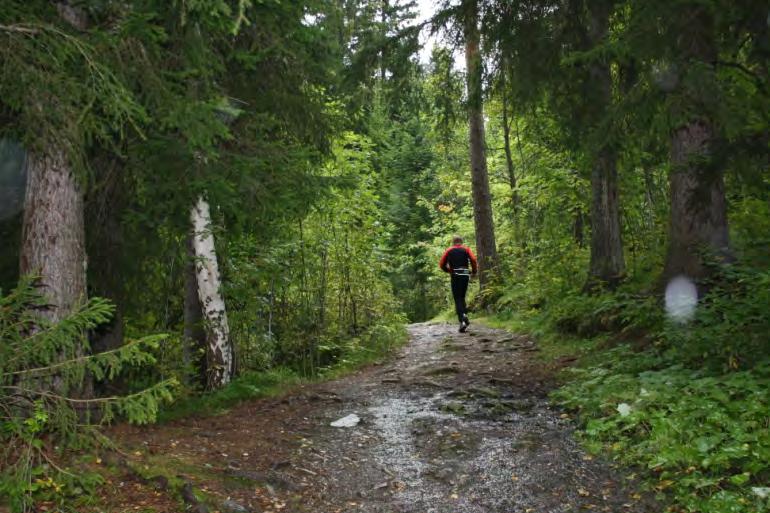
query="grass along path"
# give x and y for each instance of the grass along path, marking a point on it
(454, 423)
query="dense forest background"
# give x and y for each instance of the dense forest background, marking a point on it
(591, 151)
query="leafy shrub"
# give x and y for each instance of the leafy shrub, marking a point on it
(693, 409)
(703, 437)
(45, 406)
(732, 324)
(249, 385)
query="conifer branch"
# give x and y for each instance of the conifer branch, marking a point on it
(758, 80)
(80, 359)
(95, 400)
(19, 28)
(54, 465)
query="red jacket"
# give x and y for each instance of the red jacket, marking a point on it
(458, 257)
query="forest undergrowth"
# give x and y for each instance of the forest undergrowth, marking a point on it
(205, 201)
(684, 406)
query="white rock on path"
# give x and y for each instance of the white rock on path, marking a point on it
(347, 421)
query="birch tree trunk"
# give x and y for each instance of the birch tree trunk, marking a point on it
(194, 336)
(53, 234)
(219, 351)
(482, 199)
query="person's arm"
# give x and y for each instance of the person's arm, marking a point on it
(472, 258)
(443, 263)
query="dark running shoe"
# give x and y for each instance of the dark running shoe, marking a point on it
(463, 327)
(466, 321)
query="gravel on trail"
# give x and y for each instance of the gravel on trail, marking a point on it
(453, 423)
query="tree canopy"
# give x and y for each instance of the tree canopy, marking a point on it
(595, 150)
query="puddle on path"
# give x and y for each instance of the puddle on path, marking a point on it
(455, 423)
(470, 442)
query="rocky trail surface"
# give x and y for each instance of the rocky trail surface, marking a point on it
(454, 423)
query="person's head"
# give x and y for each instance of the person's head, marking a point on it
(457, 240)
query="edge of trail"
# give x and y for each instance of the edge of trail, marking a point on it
(451, 422)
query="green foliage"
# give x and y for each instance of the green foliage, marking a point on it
(691, 409)
(308, 296)
(373, 345)
(336, 166)
(700, 437)
(57, 85)
(730, 329)
(249, 385)
(45, 404)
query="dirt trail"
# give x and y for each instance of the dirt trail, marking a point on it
(455, 423)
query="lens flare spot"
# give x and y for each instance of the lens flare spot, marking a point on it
(681, 299)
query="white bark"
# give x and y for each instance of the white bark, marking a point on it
(219, 352)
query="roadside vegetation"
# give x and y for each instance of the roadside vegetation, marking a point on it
(207, 201)
(684, 406)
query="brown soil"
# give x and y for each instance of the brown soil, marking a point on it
(455, 423)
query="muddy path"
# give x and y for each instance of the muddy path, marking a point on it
(455, 423)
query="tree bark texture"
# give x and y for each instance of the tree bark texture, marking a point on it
(698, 219)
(106, 248)
(53, 245)
(53, 234)
(219, 351)
(53, 227)
(482, 199)
(507, 143)
(607, 266)
(53, 250)
(194, 336)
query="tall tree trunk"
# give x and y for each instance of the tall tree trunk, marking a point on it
(53, 248)
(383, 35)
(698, 218)
(578, 226)
(194, 336)
(105, 247)
(507, 142)
(53, 233)
(482, 199)
(53, 227)
(219, 351)
(607, 266)
(649, 201)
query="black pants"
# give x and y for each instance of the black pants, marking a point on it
(459, 288)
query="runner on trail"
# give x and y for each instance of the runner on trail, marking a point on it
(460, 262)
